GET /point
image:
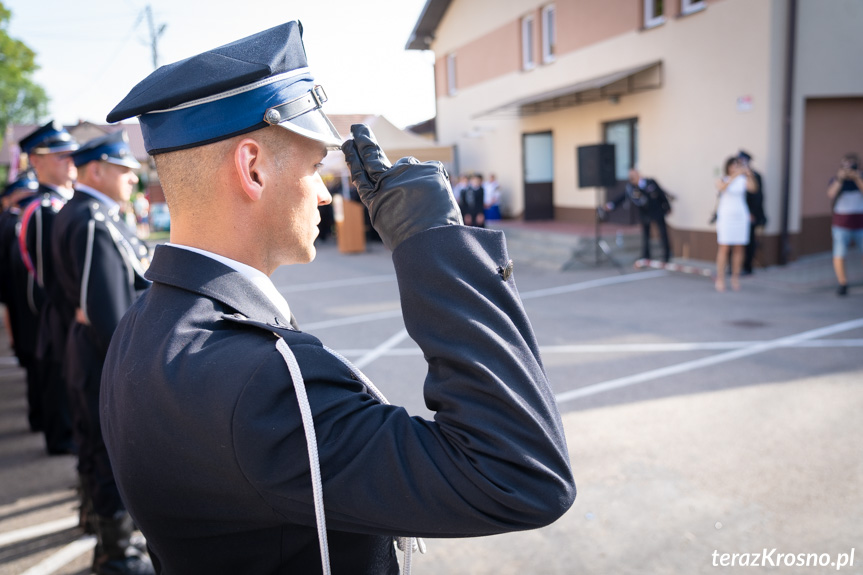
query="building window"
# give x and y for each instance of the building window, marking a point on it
(549, 34)
(528, 58)
(690, 6)
(654, 13)
(450, 74)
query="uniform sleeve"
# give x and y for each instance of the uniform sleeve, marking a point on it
(494, 459)
(103, 277)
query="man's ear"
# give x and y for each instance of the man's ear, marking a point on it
(94, 171)
(248, 164)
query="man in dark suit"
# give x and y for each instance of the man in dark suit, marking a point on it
(653, 205)
(755, 202)
(22, 314)
(100, 266)
(472, 202)
(243, 445)
(48, 149)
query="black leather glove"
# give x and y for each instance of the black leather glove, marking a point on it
(403, 200)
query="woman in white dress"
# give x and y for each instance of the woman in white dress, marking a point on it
(732, 220)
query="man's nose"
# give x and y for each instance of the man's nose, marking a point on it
(324, 196)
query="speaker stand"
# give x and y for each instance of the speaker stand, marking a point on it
(601, 250)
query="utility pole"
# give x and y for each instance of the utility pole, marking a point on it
(154, 35)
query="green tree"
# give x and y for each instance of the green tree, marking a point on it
(21, 99)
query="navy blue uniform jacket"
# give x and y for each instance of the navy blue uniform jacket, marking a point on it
(203, 427)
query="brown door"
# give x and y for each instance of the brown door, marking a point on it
(832, 128)
(538, 176)
(624, 135)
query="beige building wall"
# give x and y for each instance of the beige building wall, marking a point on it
(723, 89)
(686, 128)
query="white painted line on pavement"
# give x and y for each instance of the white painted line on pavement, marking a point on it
(382, 349)
(762, 347)
(830, 343)
(686, 346)
(307, 327)
(63, 557)
(34, 531)
(293, 288)
(594, 283)
(589, 348)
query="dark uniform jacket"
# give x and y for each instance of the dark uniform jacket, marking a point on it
(37, 222)
(471, 202)
(204, 431)
(649, 198)
(755, 202)
(18, 285)
(100, 265)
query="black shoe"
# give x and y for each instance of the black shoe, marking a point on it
(135, 565)
(114, 553)
(843, 290)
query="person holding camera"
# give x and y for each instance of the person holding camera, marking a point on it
(653, 205)
(845, 193)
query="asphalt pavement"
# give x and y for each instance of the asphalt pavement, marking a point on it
(709, 432)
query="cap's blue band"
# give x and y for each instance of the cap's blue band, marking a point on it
(112, 152)
(221, 116)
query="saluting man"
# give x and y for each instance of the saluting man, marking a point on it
(243, 445)
(47, 151)
(100, 266)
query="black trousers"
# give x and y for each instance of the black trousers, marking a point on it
(34, 390)
(84, 372)
(663, 235)
(56, 417)
(751, 248)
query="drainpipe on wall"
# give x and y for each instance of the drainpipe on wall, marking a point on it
(787, 110)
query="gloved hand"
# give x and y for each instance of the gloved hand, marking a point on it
(403, 200)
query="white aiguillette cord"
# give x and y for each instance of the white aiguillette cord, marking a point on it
(406, 544)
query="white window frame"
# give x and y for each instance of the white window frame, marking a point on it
(528, 57)
(651, 19)
(692, 6)
(451, 88)
(549, 33)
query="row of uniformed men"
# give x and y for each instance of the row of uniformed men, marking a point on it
(70, 268)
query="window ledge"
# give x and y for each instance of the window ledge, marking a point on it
(654, 23)
(693, 10)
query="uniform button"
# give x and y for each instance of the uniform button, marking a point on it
(506, 272)
(99, 217)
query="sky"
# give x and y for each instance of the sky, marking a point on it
(92, 52)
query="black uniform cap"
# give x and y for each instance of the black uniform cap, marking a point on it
(239, 87)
